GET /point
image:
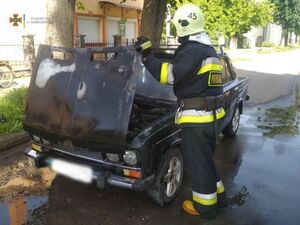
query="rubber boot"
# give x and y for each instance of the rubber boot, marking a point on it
(188, 207)
(209, 213)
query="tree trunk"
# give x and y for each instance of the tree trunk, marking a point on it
(286, 38)
(60, 27)
(153, 18)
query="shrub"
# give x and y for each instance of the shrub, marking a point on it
(243, 42)
(268, 44)
(12, 106)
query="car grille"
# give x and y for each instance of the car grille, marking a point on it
(69, 148)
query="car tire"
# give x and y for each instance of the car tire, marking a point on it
(168, 178)
(231, 129)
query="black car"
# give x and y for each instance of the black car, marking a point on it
(97, 115)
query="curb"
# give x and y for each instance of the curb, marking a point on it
(12, 140)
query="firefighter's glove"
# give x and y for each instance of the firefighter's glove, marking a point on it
(143, 45)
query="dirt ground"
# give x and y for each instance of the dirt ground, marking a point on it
(19, 177)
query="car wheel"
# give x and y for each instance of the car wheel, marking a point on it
(168, 178)
(231, 129)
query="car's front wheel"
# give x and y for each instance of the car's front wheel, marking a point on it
(231, 129)
(168, 178)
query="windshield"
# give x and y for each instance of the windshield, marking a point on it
(151, 88)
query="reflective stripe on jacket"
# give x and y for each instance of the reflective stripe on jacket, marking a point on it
(194, 70)
(166, 73)
(198, 116)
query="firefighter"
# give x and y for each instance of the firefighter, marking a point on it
(195, 73)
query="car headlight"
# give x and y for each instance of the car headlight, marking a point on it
(113, 157)
(130, 158)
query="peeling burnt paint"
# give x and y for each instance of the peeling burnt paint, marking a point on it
(89, 103)
(49, 68)
(82, 88)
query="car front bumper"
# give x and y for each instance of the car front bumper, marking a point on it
(101, 177)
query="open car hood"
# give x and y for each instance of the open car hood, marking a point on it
(82, 95)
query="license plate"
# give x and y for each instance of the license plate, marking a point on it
(71, 170)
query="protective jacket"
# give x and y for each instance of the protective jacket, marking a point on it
(194, 71)
(196, 75)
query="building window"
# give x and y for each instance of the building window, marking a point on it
(89, 26)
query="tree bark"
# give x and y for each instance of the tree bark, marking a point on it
(153, 18)
(60, 27)
(286, 38)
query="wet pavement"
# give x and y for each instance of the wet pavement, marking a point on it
(260, 172)
(19, 211)
(260, 169)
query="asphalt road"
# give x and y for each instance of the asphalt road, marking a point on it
(260, 168)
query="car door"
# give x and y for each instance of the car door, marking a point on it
(230, 88)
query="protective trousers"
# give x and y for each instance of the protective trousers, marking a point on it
(198, 144)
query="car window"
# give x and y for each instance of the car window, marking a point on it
(226, 71)
(148, 86)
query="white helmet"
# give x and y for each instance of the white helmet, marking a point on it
(188, 19)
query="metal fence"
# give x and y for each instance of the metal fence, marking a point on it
(94, 44)
(11, 52)
(20, 55)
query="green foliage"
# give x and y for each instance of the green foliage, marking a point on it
(279, 49)
(233, 17)
(11, 110)
(268, 44)
(287, 14)
(79, 5)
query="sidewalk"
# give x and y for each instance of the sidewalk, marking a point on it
(272, 63)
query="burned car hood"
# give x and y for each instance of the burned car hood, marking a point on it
(83, 95)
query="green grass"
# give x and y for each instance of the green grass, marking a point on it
(12, 105)
(240, 59)
(278, 49)
(282, 120)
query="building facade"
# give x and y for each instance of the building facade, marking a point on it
(257, 35)
(98, 20)
(19, 18)
(101, 20)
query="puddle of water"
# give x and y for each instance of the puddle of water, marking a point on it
(19, 212)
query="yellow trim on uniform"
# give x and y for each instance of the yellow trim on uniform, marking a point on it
(209, 67)
(200, 119)
(220, 189)
(36, 147)
(164, 73)
(203, 201)
(146, 45)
